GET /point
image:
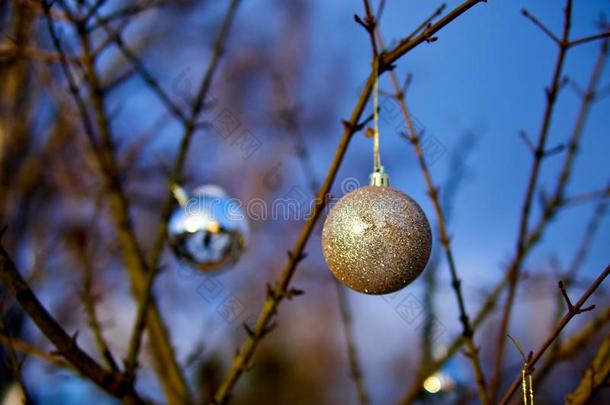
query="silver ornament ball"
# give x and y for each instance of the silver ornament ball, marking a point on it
(208, 230)
(376, 240)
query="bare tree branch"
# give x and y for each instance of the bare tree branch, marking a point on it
(110, 381)
(13, 362)
(573, 344)
(591, 38)
(541, 26)
(189, 129)
(595, 377)
(246, 352)
(573, 310)
(167, 367)
(515, 268)
(445, 240)
(290, 120)
(53, 359)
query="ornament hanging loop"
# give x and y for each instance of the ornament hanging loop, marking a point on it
(379, 177)
(376, 157)
(179, 193)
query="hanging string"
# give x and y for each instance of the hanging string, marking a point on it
(376, 157)
(524, 386)
(531, 390)
(524, 383)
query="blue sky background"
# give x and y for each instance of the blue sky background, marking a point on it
(485, 75)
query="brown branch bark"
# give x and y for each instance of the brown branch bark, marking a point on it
(486, 309)
(540, 25)
(438, 12)
(149, 79)
(29, 52)
(13, 362)
(289, 117)
(555, 202)
(573, 310)
(573, 345)
(594, 378)
(472, 351)
(125, 12)
(166, 366)
(557, 199)
(189, 129)
(591, 38)
(165, 363)
(406, 45)
(112, 382)
(352, 352)
(28, 349)
(94, 324)
(467, 331)
(520, 250)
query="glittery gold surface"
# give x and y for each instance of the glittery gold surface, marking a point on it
(376, 240)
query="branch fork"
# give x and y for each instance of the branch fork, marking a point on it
(571, 308)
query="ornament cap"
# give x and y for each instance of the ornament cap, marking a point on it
(379, 177)
(179, 194)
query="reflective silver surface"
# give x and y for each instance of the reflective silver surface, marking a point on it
(209, 231)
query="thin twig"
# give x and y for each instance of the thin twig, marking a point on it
(166, 365)
(139, 325)
(146, 295)
(535, 234)
(587, 239)
(149, 79)
(127, 11)
(290, 120)
(515, 268)
(89, 301)
(596, 195)
(564, 41)
(427, 21)
(445, 240)
(575, 265)
(370, 25)
(573, 310)
(31, 53)
(352, 353)
(406, 46)
(13, 362)
(589, 39)
(574, 344)
(276, 294)
(540, 25)
(94, 323)
(110, 381)
(380, 10)
(454, 347)
(53, 359)
(594, 379)
(457, 170)
(557, 199)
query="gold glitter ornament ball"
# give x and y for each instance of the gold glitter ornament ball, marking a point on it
(376, 240)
